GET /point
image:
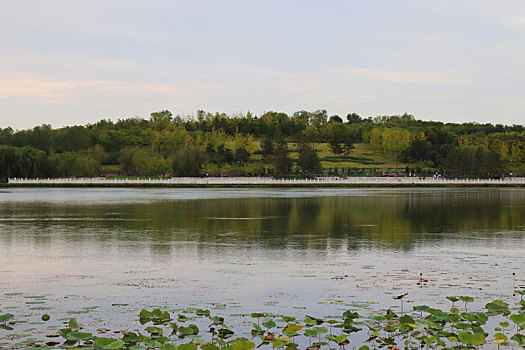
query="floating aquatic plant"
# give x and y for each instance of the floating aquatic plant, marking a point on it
(421, 327)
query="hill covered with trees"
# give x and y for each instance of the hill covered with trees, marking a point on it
(273, 143)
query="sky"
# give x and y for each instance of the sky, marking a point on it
(67, 62)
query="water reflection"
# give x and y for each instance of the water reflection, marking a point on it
(390, 220)
(186, 247)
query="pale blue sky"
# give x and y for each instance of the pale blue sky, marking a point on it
(75, 62)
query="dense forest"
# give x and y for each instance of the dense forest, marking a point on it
(301, 144)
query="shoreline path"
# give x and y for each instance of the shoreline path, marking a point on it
(268, 181)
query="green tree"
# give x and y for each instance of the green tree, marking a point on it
(85, 166)
(308, 161)
(335, 119)
(337, 133)
(318, 118)
(98, 153)
(64, 163)
(241, 155)
(267, 146)
(474, 161)
(6, 136)
(160, 120)
(147, 162)
(224, 155)
(188, 161)
(352, 135)
(21, 162)
(168, 140)
(311, 134)
(72, 138)
(126, 160)
(42, 137)
(353, 118)
(281, 160)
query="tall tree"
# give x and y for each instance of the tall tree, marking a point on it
(308, 160)
(281, 160)
(188, 161)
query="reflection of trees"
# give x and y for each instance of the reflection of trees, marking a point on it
(389, 220)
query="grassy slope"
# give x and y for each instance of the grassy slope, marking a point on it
(362, 156)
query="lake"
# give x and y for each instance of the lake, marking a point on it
(103, 254)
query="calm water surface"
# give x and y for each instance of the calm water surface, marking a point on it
(106, 253)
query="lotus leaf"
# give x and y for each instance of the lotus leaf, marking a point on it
(75, 336)
(101, 342)
(243, 345)
(321, 330)
(518, 318)
(406, 319)
(154, 330)
(188, 346)
(293, 328)
(471, 339)
(6, 317)
(269, 324)
(520, 338)
(168, 346)
(311, 333)
(73, 324)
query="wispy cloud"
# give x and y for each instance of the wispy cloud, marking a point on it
(30, 86)
(518, 22)
(410, 77)
(51, 90)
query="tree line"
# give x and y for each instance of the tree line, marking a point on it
(247, 144)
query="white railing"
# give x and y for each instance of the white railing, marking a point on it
(269, 181)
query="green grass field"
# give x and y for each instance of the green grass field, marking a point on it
(362, 156)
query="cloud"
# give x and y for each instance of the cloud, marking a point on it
(30, 86)
(51, 91)
(410, 77)
(518, 22)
